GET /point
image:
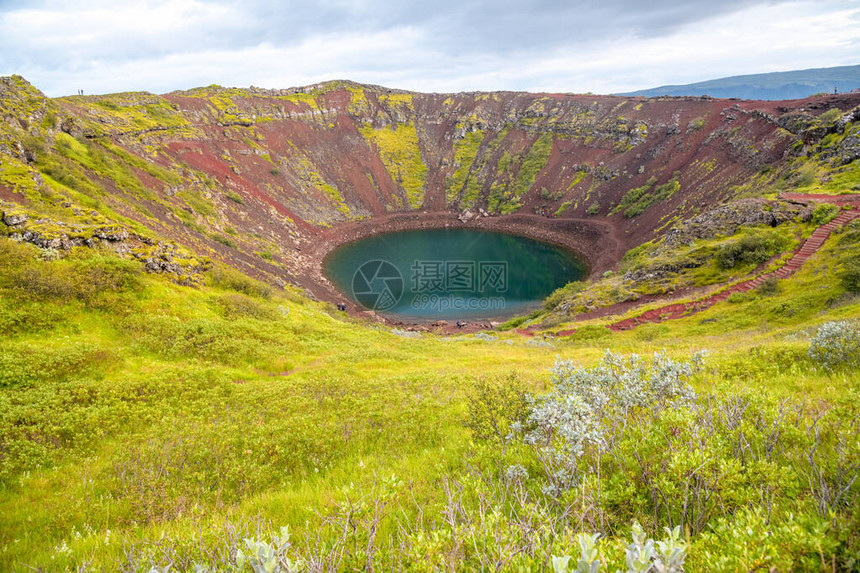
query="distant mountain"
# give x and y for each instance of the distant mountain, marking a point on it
(773, 86)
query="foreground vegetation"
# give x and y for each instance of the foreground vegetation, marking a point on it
(150, 424)
(159, 412)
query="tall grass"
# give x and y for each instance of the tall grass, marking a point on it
(145, 421)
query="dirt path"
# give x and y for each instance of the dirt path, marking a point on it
(685, 309)
(681, 310)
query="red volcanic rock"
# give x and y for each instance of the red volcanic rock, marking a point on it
(292, 174)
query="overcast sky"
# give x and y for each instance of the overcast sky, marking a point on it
(600, 46)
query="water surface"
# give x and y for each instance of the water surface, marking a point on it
(450, 274)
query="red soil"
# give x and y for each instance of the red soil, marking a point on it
(684, 309)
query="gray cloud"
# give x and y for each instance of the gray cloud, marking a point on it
(447, 44)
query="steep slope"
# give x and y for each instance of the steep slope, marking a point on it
(271, 180)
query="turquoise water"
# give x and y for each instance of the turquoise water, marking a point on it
(450, 274)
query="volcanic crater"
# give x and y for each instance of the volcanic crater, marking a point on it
(271, 181)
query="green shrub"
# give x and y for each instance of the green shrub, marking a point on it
(804, 177)
(29, 318)
(234, 197)
(768, 287)
(548, 195)
(228, 278)
(751, 249)
(27, 364)
(850, 274)
(836, 344)
(824, 213)
(851, 233)
(738, 297)
(223, 240)
(90, 280)
(562, 208)
(513, 323)
(651, 331)
(232, 343)
(493, 405)
(238, 305)
(14, 255)
(591, 332)
(558, 295)
(751, 540)
(632, 196)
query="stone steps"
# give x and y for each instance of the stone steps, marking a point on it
(795, 263)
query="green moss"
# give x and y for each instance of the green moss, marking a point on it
(637, 200)
(304, 169)
(517, 174)
(478, 173)
(196, 201)
(562, 208)
(129, 112)
(93, 157)
(234, 197)
(580, 175)
(696, 124)
(23, 100)
(358, 104)
(533, 162)
(301, 100)
(225, 111)
(829, 117)
(496, 197)
(398, 148)
(465, 151)
(60, 175)
(227, 242)
(160, 173)
(396, 100)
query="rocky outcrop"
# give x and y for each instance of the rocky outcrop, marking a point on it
(659, 272)
(849, 150)
(727, 219)
(180, 265)
(171, 260)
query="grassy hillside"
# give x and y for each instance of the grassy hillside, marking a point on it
(149, 423)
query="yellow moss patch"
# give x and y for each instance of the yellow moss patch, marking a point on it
(399, 151)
